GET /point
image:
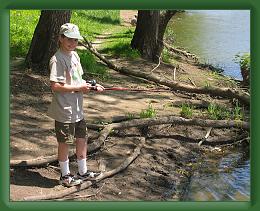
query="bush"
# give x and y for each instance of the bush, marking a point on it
(244, 61)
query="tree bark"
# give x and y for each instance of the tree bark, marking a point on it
(45, 39)
(150, 29)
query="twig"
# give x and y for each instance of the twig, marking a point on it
(192, 82)
(205, 137)
(174, 72)
(157, 65)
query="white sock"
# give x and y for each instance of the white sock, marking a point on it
(64, 167)
(82, 166)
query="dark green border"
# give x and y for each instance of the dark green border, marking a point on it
(6, 5)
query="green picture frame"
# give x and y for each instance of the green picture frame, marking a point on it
(7, 5)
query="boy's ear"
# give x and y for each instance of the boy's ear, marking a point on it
(60, 38)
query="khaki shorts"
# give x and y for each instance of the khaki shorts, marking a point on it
(68, 132)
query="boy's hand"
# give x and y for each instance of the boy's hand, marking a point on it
(86, 87)
(99, 88)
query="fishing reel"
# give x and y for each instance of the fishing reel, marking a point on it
(93, 84)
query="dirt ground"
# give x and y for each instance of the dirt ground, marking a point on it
(160, 172)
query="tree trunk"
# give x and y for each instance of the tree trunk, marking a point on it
(45, 39)
(149, 33)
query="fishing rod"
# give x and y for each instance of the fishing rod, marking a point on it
(93, 87)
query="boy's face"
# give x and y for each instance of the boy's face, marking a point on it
(68, 44)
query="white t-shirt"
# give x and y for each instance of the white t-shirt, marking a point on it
(66, 107)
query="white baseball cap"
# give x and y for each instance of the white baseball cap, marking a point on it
(70, 30)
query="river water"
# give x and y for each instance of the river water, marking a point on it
(221, 178)
(216, 36)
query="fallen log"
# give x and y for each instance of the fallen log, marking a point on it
(211, 90)
(87, 184)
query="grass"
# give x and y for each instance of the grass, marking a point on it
(215, 112)
(22, 25)
(91, 67)
(218, 112)
(150, 112)
(186, 111)
(90, 22)
(95, 22)
(119, 45)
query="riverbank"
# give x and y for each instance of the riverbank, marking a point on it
(160, 172)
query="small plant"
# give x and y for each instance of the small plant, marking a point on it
(207, 85)
(150, 112)
(217, 112)
(130, 116)
(238, 113)
(186, 111)
(244, 61)
(166, 56)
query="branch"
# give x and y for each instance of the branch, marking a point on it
(87, 184)
(180, 52)
(215, 91)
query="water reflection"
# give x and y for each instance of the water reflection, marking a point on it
(216, 36)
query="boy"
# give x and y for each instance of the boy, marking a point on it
(67, 104)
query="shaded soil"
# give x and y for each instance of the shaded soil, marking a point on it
(160, 172)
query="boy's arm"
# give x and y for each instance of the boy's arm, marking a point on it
(61, 87)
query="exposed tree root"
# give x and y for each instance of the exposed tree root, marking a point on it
(87, 184)
(138, 123)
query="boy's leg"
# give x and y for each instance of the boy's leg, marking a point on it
(63, 150)
(81, 152)
(65, 133)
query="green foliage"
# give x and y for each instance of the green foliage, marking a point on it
(217, 112)
(207, 85)
(150, 112)
(119, 45)
(186, 111)
(166, 56)
(22, 25)
(238, 112)
(243, 60)
(94, 22)
(130, 116)
(90, 22)
(91, 66)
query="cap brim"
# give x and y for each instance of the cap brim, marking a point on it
(74, 36)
